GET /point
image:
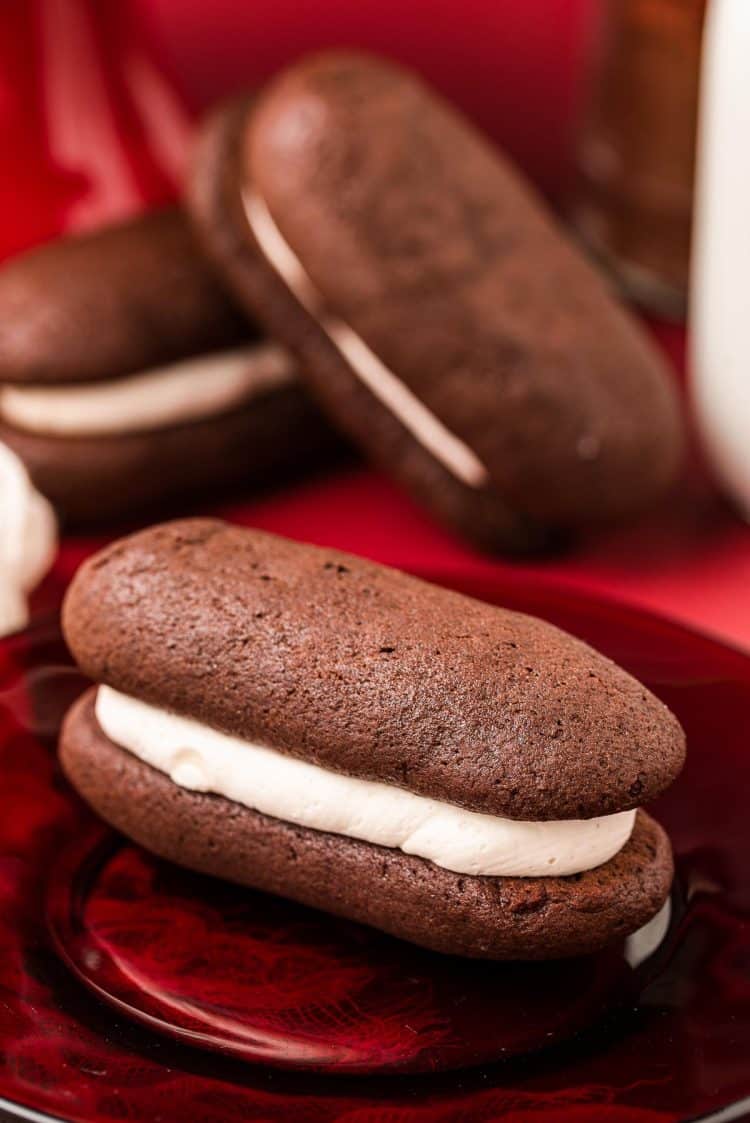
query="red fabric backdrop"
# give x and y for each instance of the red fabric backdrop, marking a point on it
(95, 109)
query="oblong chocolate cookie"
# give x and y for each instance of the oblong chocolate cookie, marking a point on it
(316, 725)
(416, 900)
(370, 672)
(443, 320)
(129, 380)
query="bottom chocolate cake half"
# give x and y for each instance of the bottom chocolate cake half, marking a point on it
(270, 438)
(414, 899)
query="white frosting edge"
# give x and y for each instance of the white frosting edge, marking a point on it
(28, 540)
(199, 758)
(189, 390)
(453, 453)
(642, 944)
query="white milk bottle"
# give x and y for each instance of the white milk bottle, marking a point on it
(720, 285)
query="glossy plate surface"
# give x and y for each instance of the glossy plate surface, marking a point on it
(260, 978)
(219, 963)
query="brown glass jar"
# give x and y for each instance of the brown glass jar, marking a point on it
(636, 153)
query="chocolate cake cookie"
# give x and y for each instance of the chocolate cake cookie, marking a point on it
(442, 318)
(322, 727)
(128, 379)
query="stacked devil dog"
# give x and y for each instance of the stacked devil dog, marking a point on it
(319, 726)
(352, 258)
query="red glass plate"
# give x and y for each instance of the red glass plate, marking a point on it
(677, 1048)
(269, 981)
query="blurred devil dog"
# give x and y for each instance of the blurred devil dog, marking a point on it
(128, 380)
(440, 317)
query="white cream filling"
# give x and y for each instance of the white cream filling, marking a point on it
(453, 453)
(202, 759)
(194, 388)
(642, 944)
(28, 540)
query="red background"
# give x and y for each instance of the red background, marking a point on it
(95, 109)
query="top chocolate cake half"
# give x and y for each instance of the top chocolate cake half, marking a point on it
(445, 322)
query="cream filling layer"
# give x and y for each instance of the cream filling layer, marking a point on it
(189, 390)
(28, 540)
(453, 453)
(202, 759)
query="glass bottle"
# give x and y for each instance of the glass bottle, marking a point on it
(636, 151)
